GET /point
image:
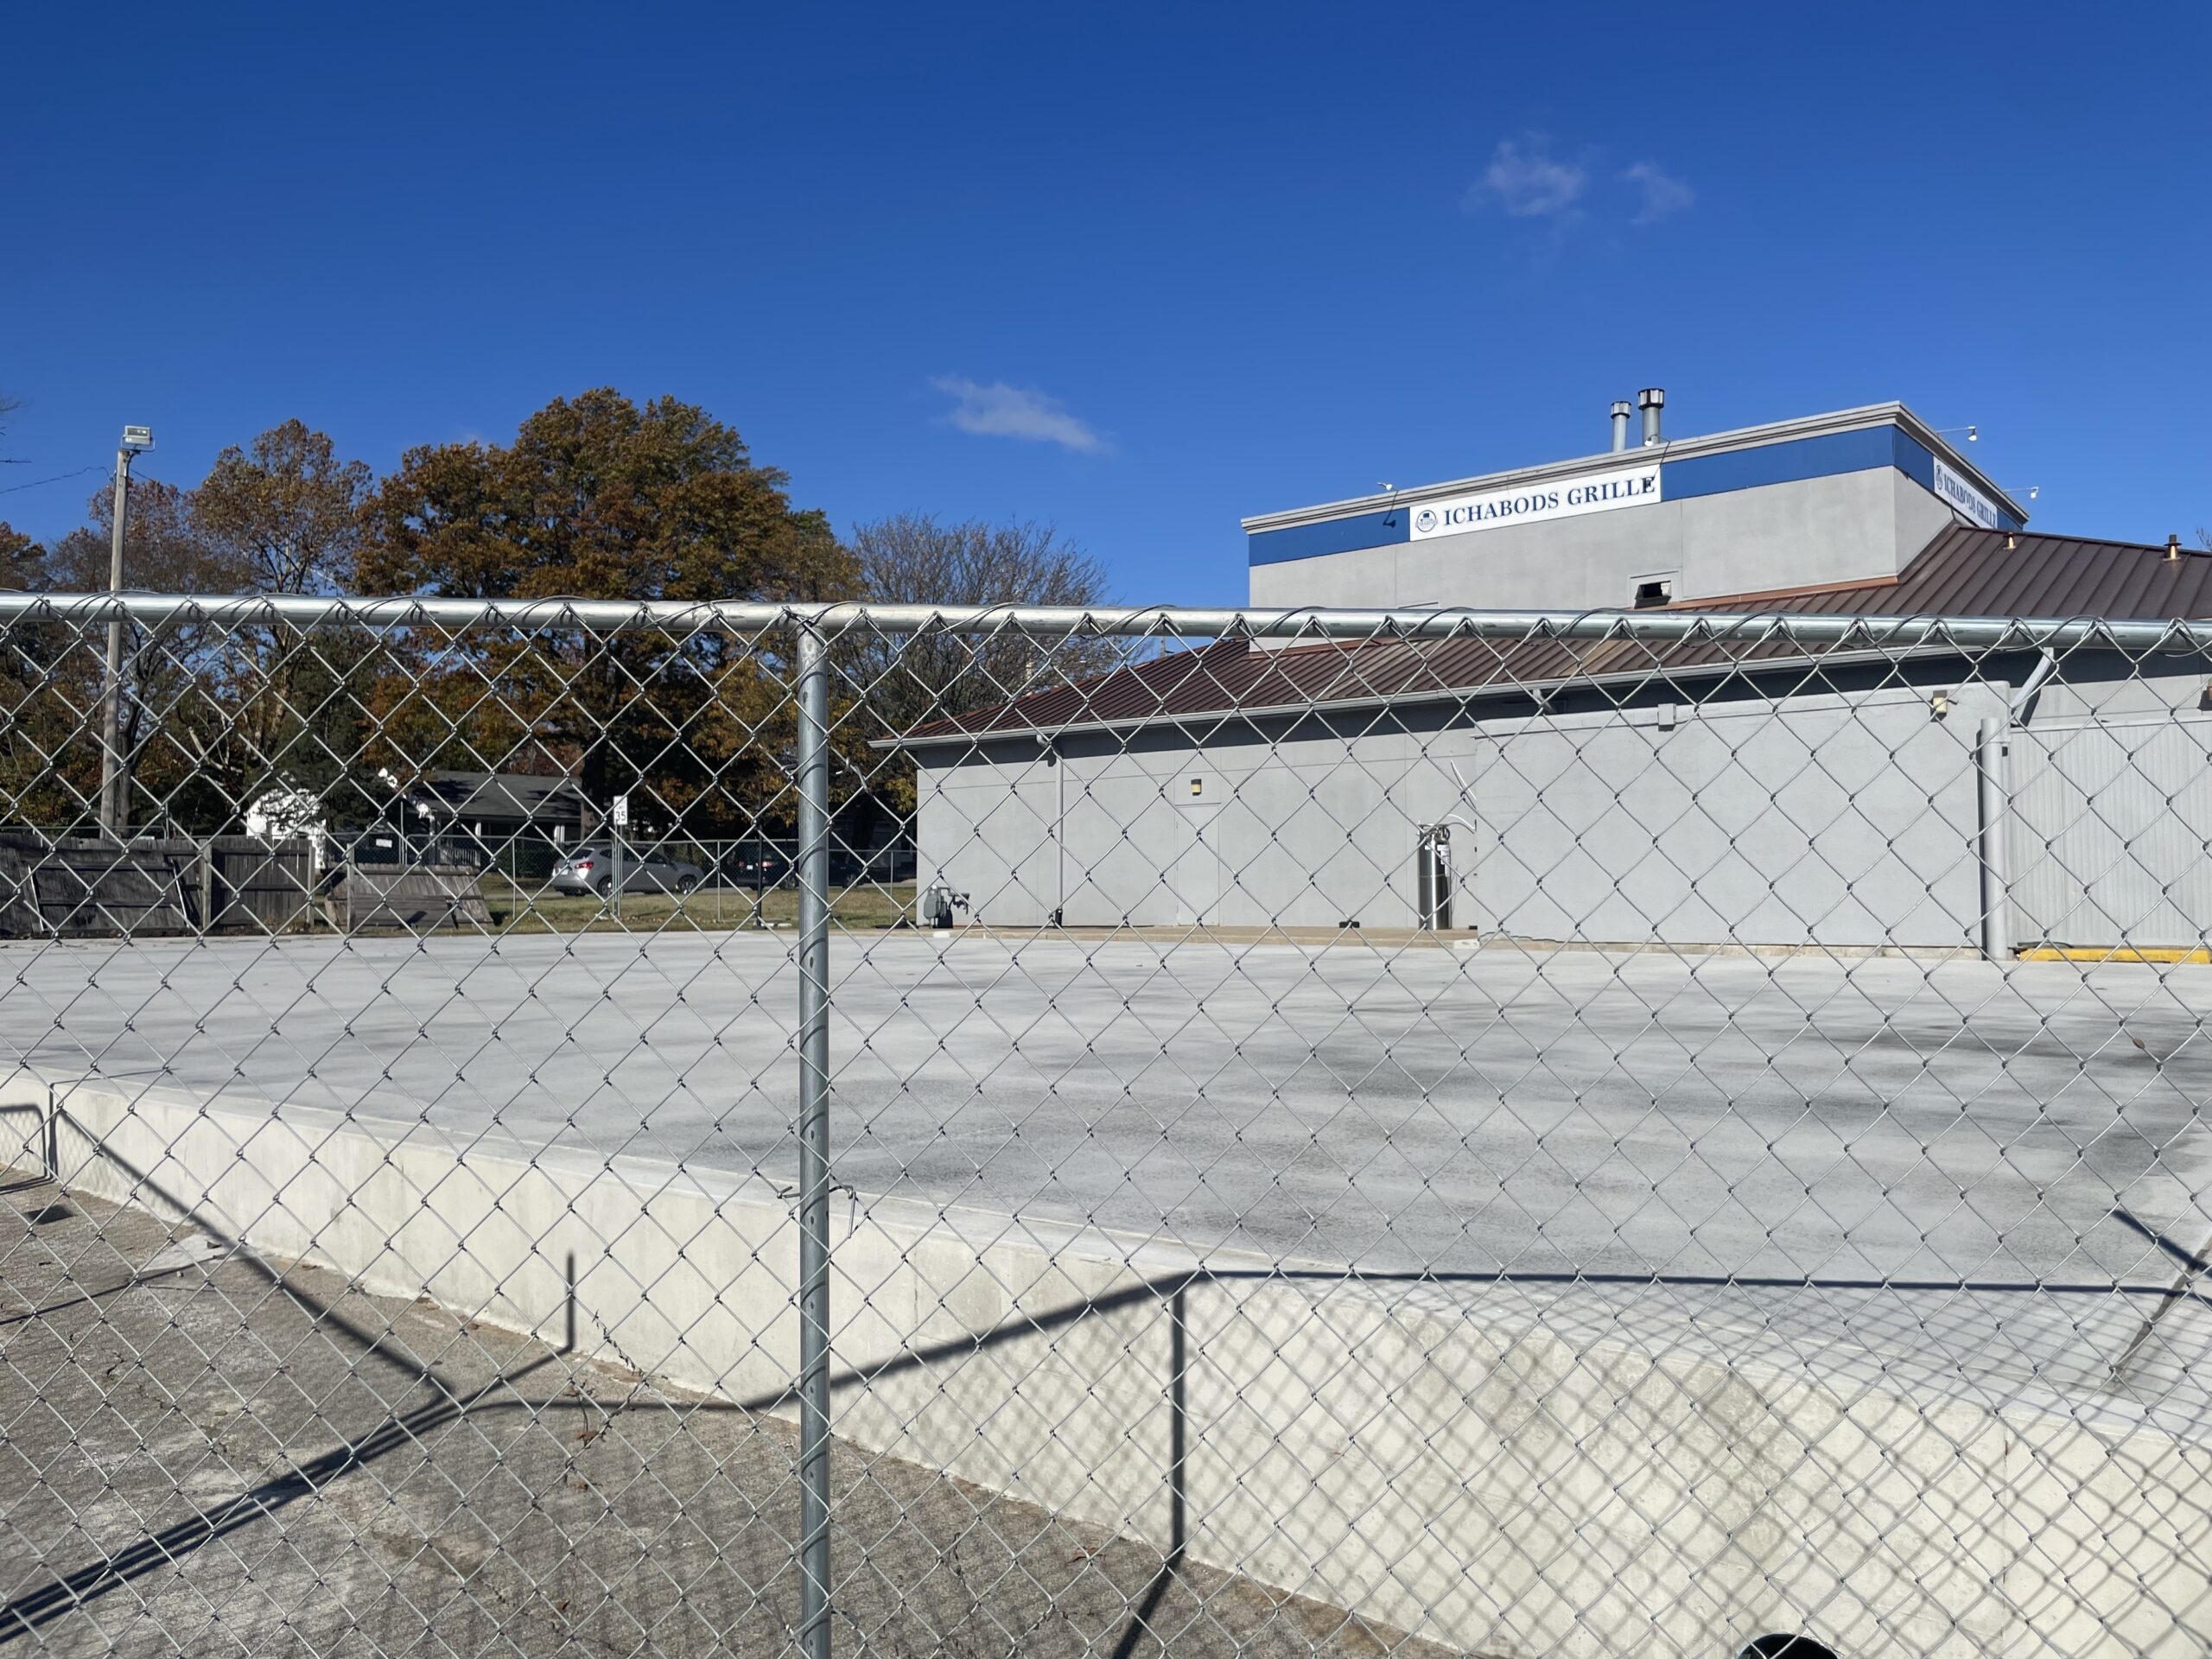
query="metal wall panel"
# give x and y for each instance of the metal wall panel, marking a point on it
(990, 831)
(1842, 821)
(2111, 834)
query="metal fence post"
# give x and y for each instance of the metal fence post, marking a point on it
(813, 1141)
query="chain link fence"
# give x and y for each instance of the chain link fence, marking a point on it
(1230, 1133)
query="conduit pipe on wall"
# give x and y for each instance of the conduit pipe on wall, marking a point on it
(2046, 665)
(1995, 804)
(1989, 778)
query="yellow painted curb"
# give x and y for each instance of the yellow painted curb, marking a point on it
(2115, 953)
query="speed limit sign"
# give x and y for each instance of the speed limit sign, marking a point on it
(621, 812)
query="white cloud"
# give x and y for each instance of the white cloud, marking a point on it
(999, 410)
(1526, 181)
(1664, 195)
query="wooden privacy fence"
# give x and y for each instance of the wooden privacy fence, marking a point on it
(73, 886)
(79, 887)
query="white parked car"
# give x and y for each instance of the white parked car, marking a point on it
(591, 869)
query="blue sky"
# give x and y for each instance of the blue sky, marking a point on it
(1136, 271)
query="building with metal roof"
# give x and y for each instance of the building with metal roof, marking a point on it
(499, 806)
(1629, 788)
(1965, 571)
(1850, 496)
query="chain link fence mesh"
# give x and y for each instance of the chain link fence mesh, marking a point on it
(546, 1128)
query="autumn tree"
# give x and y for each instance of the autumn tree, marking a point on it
(285, 512)
(599, 498)
(288, 513)
(173, 716)
(165, 549)
(34, 723)
(22, 561)
(213, 715)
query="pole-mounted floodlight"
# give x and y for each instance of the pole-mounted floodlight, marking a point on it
(115, 779)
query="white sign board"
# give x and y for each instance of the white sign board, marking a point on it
(1955, 492)
(621, 812)
(1564, 498)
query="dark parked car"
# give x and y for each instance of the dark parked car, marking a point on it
(761, 864)
(591, 869)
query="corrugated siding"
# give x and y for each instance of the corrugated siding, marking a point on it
(2111, 834)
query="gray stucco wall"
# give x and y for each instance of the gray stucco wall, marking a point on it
(1842, 528)
(1845, 819)
(2108, 685)
(1836, 821)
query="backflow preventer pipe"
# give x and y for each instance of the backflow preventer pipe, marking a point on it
(1432, 877)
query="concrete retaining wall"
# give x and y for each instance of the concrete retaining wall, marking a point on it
(1466, 1467)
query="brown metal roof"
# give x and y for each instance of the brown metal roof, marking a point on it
(1972, 572)
(1965, 571)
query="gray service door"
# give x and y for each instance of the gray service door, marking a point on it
(1197, 865)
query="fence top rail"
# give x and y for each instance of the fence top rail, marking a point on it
(1052, 621)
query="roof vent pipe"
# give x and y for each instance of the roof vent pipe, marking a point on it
(1620, 424)
(2173, 547)
(1651, 400)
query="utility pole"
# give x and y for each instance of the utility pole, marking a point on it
(115, 778)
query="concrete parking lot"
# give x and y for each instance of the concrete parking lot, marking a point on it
(2026, 1148)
